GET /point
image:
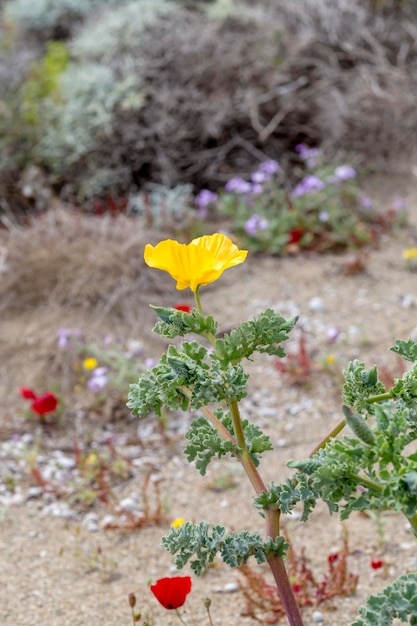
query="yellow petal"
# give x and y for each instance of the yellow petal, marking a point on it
(178, 522)
(90, 363)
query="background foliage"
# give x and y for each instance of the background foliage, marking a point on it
(198, 92)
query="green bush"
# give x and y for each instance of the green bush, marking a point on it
(43, 16)
(175, 92)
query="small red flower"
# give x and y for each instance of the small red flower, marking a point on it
(377, 563)
(183, 307)
(172, 592)
(295, 235)
(27, 393)
(45, 404)
(333, 557)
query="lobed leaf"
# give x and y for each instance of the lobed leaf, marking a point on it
(261, 334)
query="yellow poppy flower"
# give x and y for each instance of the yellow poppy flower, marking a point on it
(198, 263)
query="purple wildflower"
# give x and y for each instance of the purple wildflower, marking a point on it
(398, 204)
(64, 335)
(256, 189)
(365, 202)
(324, 216)
(238, 185)
(98, 379)
(307, 185)
(332, 333)
(255, 223)
(344, 172)
(259, 177)
(269, 167)
(309, 155)
(134, 348)
(204, 198)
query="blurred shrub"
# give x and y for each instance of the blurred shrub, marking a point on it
(175, 92)
(70, 105)
(51, 18)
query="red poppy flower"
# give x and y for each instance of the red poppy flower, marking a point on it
(172, 592)
(27, 393)
(183, 307)
(377, 563)
(295, 235)
(45, 404)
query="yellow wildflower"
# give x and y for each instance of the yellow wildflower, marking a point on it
(198, 263)
(90, 363)
(178, 522)
(409, 253)
(330, 359)
(91, 459)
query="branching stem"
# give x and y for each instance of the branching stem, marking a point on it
(272, 516)
(336, 430)
(222, 430)
(244, 456)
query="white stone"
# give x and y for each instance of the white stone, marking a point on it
(316, 304)
(318, 617)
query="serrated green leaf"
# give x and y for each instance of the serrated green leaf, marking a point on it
(262, 334)
(406, 349)
(198, 544)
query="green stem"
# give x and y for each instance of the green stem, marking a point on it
(180, 618)
(198, 301)
(244, 456)
(207, 603)
(365, 482)
(272, 517)
(209, 336)
(336, 430)
(210, 416)
(381, 396)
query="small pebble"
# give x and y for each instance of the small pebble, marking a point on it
(230, 587)
(107, 520)
(318, 617)
(316, 304)
(128, 504)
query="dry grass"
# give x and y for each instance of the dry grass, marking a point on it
(71, 270)
(70, 261)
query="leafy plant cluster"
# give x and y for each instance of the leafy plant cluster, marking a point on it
(371, 468)
(325, 211)
(208, 377)
(204, 543)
